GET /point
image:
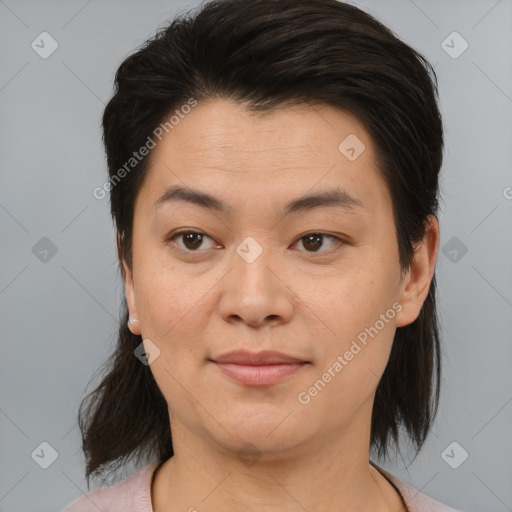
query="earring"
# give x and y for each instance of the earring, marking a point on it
(131, 321)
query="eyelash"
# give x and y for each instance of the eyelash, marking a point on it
(338, 241)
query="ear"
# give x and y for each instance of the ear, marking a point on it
(129, 291)
(416, 283)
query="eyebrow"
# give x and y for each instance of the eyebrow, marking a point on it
(337, 198)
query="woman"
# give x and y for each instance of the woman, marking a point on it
(273, 176)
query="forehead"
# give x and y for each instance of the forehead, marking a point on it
(221, 147)
(218, 127)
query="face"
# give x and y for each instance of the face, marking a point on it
(258, 267)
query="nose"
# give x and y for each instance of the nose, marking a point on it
(256, 293)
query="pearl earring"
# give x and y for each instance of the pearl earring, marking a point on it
(131, 321)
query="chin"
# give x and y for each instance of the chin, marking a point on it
(267, 432)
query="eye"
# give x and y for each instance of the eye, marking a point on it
(314, 241)
(191, 240)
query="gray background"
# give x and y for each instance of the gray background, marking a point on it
(59, 311)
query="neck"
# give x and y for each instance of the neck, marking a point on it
(207, 477)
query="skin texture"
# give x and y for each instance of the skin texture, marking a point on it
(308, 303)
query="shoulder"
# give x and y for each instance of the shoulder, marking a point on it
(415, 500)
(133, 494)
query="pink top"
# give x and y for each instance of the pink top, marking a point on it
(133, 494)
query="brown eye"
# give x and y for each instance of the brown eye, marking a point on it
(313, 242)
(190, 240)
(193, 241)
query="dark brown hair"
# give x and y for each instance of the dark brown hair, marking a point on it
(266, 54)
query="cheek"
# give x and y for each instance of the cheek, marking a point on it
(175, 309)
(174, 320)
(353, 301)
(352, 361)
(166, 297)
(350, 308)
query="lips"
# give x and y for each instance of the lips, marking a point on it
(258, 368)
(263, 358)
